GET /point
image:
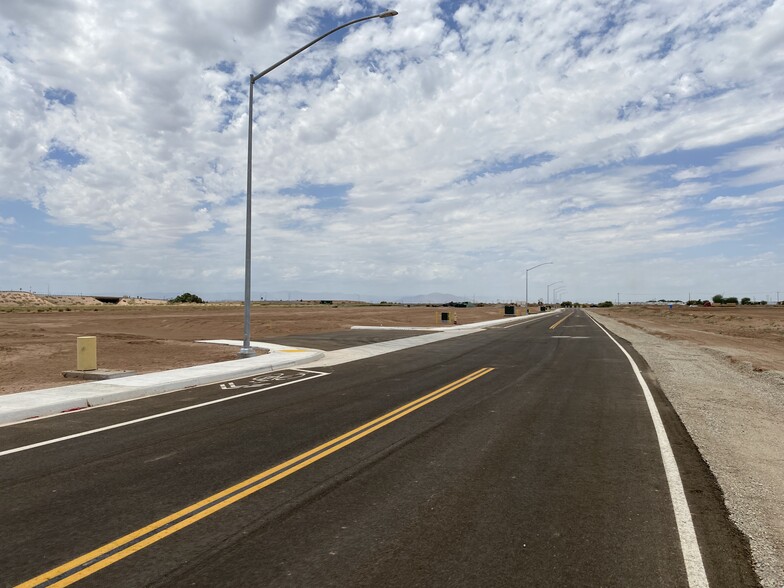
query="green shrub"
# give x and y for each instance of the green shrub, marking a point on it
(187, 297)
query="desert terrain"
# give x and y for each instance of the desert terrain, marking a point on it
(38, 333)
(748, 334)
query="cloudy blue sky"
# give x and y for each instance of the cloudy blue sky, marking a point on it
(639, 146)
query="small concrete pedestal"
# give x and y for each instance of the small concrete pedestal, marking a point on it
(97, 374)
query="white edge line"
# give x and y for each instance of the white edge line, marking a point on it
(157, 416)
(692, 559)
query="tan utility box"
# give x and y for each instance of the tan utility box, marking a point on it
(86, 353)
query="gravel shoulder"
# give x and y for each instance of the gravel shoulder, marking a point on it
(735, 415)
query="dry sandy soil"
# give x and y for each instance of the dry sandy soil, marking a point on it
(721, 368)
(38, 343)
(752, 334)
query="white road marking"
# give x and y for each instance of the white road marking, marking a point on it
(695, 570)
(275, 377)
(528, 322)
(157, 416)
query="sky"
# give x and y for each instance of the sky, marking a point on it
(637, 146)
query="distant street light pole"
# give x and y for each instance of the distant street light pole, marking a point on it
(246, 350)
(557, 292)
(526, 281)
(548, 289)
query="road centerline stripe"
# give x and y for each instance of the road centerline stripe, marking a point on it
(93, 561)
(555, 325)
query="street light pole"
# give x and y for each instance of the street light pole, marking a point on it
(526, 281)
(246, 350)
(548, 289)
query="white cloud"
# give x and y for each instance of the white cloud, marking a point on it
(473, 138)
(760, 202)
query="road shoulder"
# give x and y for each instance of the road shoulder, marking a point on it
(734, 418)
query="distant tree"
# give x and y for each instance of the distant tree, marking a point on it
(745, 300)
(731, 300)
(566, 304)
(605, 304)
(186, 297)
(718, 299)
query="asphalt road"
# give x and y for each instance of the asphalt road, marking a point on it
(521, 456)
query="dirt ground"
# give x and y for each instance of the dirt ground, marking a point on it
(38, 339)
(750, 334)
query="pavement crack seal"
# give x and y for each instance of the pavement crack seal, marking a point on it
(104, 556)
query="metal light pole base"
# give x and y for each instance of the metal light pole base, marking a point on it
(247, 352)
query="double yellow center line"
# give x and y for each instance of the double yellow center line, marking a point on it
(113, 552)
(555, 325)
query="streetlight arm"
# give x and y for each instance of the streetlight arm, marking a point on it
(246, 350)
(548, 289)
(386, 14)
(526, 281)
(540, 265)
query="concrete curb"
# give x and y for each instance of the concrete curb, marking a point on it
(470, 326)
(39, 403)
(22, 406)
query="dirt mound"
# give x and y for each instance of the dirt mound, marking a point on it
(14, 299)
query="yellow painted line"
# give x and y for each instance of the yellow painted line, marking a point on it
(104, 556)
(555, 326)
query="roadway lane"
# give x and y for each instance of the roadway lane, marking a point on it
(343, 339)
(543, 471)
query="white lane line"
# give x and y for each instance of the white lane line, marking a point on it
(695, 570)
(349, 354)
(157, 416)
(528, 322)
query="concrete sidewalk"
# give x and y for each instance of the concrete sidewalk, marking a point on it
(40, 403)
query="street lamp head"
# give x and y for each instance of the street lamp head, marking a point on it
(387, 14)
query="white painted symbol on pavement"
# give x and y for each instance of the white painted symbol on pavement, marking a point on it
(305, 375)
(276, 378)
